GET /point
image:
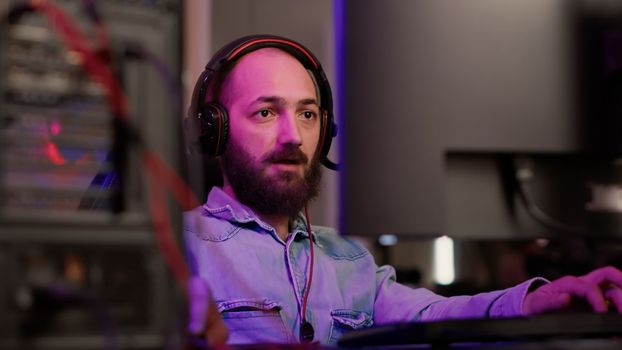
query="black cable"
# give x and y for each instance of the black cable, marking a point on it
(172, 84)
(523, 174)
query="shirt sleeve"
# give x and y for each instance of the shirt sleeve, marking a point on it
(398, 303)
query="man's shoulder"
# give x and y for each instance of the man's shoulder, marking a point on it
(336, 245)
(197, 223)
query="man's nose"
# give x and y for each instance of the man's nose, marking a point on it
(289, 132)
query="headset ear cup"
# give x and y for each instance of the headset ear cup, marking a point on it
(214, 129)
(326, 134)
(224, 131)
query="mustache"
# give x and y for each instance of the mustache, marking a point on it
(287, 154)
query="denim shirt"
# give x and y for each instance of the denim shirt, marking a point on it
(258, 280)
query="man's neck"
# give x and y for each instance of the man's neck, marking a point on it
(279, 222)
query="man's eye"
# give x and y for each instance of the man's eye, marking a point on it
(265, 113)
(308, 115)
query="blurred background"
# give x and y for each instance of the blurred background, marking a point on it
(479, 142)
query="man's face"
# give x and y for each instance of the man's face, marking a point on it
(274, 129)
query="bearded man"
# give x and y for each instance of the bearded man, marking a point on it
(274, 277)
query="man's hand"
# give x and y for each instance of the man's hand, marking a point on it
(599, 288)
(204, 318)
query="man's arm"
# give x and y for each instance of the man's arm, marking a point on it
(398, 303)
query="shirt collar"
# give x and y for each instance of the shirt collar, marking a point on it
(299, 225)
(220, 205)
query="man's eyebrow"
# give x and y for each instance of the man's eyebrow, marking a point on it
(270, 99)
(282, 101)
(308, 101)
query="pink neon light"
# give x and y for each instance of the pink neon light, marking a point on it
(55, 127)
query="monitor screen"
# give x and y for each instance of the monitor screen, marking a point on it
(447, 104)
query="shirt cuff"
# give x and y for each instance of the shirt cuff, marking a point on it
(510, 304)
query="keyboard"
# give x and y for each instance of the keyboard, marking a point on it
(554, 331)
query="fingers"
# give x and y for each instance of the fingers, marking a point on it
(557, 295)
(217, 332)
(615, 295)
(597, 288)
(198, 296)
(608, 274)
(204, 318)
(580, 288)
(609, 279)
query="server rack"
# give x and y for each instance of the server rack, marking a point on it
(83, 276)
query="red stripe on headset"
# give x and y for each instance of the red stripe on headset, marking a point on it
(280, 41)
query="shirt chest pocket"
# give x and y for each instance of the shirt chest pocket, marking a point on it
(345, 320)
(253, 321)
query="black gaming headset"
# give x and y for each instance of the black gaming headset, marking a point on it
(207, 125)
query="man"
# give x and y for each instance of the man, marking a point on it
(272, 278)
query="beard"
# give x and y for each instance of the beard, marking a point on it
(284, 193)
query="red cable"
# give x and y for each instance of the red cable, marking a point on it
(162, 225)
(306, 297)
(180, 190)
(75, 40)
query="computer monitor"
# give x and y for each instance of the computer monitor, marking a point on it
(482, 118)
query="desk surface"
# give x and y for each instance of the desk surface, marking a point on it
(554, 331)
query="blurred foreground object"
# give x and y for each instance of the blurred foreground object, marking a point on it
(56, 131)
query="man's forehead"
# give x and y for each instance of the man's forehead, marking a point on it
(269, 71)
